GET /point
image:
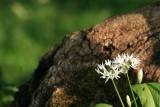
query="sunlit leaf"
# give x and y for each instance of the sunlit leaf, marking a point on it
(148, 93)
(102, 105)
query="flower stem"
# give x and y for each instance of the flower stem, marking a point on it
(118, 93)
(132, 91)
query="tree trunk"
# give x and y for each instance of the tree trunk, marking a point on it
(66, 76)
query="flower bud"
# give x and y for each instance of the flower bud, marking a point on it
(140, 76)
(128, 101)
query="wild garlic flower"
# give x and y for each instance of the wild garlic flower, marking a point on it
(108, 62)
(120, 64)
(108, 70)
(119, 61)
(126, 62)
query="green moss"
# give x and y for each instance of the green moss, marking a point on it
(86, 84)
(62, 98)
(86, 87)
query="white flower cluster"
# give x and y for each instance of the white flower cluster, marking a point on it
(126, 62)
(112, 69)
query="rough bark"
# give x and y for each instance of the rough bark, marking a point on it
(66, 76)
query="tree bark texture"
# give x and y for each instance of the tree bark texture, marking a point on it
(66, 75)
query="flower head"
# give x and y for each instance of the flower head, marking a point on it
(108, 71)
(126, 62)
(108, 62)
(119, 61)
(132, 61)
(120, 64)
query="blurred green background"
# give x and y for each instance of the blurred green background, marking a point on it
(28, 29)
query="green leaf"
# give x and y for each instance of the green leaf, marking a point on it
(102, 105)
(148, 93)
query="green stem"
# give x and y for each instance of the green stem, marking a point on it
(118, 93)
(132, 91)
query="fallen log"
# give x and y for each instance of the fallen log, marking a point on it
(66, 75)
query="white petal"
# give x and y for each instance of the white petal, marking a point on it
(108, 62)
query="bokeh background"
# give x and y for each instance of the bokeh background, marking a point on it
(29, 28)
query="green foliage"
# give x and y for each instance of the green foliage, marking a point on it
(148, 93)
(6, 93)
(102, 105)
(28, 29)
